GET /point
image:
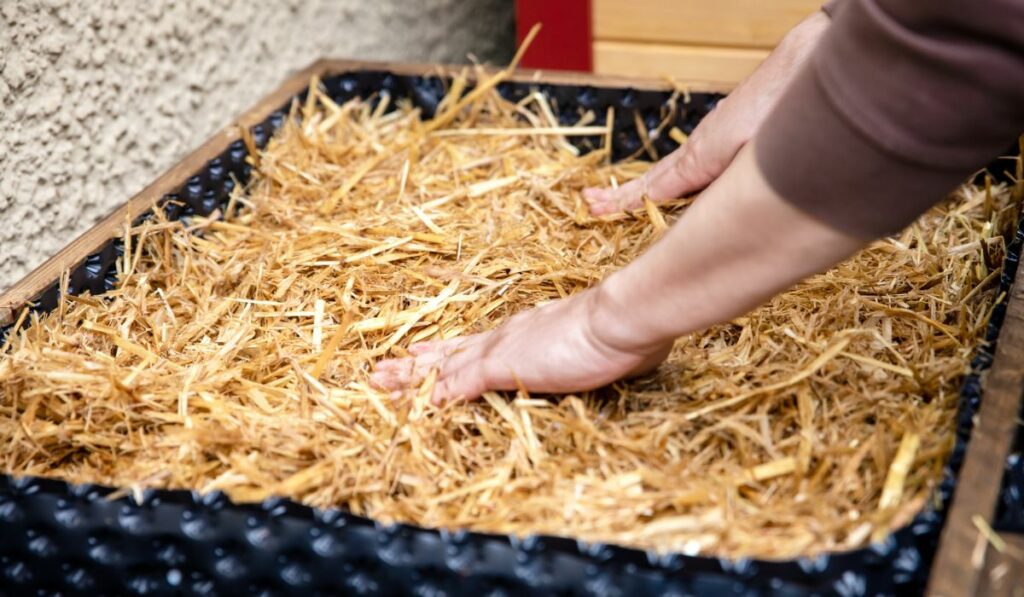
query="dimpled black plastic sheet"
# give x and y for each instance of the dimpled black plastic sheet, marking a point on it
(72, 539)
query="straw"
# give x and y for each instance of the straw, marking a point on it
(238, 360)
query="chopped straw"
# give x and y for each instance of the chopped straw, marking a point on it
(234, 355)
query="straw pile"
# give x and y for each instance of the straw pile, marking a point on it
(234, 355)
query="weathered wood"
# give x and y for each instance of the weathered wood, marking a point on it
(955, 571)
(1004, 572)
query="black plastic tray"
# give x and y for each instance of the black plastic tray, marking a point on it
(71, 539)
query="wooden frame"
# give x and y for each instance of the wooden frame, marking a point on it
(966, 564)
(960, 565)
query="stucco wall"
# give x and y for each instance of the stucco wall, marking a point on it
(98, 97)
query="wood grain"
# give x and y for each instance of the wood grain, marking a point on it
(742, 23)
(1004, 572)
(685, 62)
(954, 571)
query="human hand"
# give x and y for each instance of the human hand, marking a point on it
(722, 133)
(558, 347)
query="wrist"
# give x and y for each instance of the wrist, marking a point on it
(616, 318)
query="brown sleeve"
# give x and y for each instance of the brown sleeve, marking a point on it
(902, 100)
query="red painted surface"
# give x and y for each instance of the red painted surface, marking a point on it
(564, 41)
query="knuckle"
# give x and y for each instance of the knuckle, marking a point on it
(689, 162)
(694, 167)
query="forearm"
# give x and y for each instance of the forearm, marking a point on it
(736, 247)
(756, 95)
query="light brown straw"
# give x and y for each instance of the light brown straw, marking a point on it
(234, 355)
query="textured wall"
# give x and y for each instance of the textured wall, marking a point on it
(97, 98)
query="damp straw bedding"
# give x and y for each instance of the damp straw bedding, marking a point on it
(234, 353)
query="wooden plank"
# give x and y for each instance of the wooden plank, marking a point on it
(955, 572)
(746, 23)
(23, 291)
(1004, 572)
(677, 61)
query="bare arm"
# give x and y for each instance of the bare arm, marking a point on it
(853, 125)
(627, 325)
(732, 250)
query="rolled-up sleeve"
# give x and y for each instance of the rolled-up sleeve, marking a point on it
(901, 102)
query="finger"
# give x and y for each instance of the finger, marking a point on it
(461, 374)
(467, 383)
(384, 381)
(389, 364)
(613, 200)
(469, 352)
(424, 347)
(680, 173)
(602, 202)
(665, 180)
(396, 374)
(407, 372)
(631, 195)
(392, 375)
(446, 346)
(422, 367)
